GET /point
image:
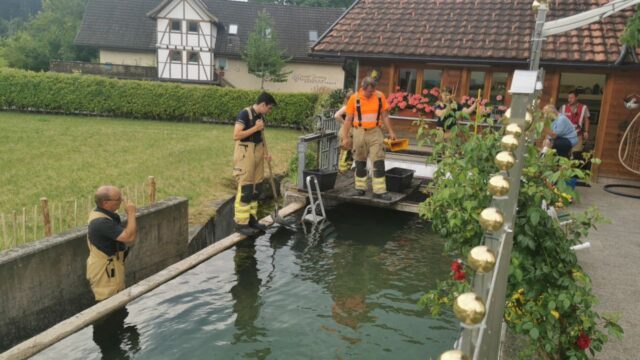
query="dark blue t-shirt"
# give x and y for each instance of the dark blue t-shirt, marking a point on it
(243, 118)
(103, 233)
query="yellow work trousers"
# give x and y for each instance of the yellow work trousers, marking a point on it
(248, 170)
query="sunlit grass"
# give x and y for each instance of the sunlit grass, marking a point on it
(65, 158)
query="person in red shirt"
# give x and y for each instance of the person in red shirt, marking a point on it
(578, 114)
(366, 111)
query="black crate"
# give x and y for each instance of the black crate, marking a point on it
(326, 178)
(399, 179)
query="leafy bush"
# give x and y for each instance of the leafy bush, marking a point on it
(67, 93)
(549, 297)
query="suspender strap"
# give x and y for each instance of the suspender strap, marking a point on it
(379, 109)
(359, 111)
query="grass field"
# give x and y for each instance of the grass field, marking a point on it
(67, 157)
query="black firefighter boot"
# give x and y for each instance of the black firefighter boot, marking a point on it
(246, 230)
(253, 223)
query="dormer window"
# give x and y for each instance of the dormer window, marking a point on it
(193, 26)
(176, 25)
(233, 29)
(267, 33)
(313, 35)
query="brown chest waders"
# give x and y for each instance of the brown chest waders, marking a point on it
(105, 273)
(248, 170)
(369, 143)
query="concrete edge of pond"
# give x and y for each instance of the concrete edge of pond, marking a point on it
(67, 327)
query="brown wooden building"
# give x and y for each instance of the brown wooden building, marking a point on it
(470, 45)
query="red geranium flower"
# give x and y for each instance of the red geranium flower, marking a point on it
(459, 275)
(583, 341)
(457, 266)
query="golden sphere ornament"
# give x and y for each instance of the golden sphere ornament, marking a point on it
(482, 259)
(499, 185)
(491, 219)
(505, 160)
(509, 143)
(506, 117)
(535, 6)
(513, 129)
(453, 355)
(528, 120)
(469, 308)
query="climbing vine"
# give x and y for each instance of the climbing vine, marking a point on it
(549, 296)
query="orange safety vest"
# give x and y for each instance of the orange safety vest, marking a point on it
(367, 122)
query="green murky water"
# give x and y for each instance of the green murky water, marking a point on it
(346, 291)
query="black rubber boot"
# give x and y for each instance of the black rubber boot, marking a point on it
(383, 196)
(253, 222)
(246, 230)
(358, 192)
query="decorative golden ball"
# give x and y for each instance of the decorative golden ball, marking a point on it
(469, 308)
(453, 355)
(506, 117)
(509, 143)
(535, 6)
(499, 185)
(491, 219)
(528, 120)
(505, 160)
(482, 259)
(513, 129)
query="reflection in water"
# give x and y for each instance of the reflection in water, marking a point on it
(246, 297)
(115, 340)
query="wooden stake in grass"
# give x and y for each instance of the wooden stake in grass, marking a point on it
(46, 220)
(24, 225)
(35, 222)
(15, 228)
(75, 213)
(152, 189)
(5, 237)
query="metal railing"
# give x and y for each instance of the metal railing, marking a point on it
(110, 70)
(327, 147)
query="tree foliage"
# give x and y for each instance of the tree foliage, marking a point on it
(48, 36)
(264, 59)
(314, 3)
(631, 35)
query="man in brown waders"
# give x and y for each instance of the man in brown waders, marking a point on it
(248, 163)
(365, 109)
(108, 242)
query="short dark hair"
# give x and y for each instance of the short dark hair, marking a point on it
(266, 98)
(574, 92)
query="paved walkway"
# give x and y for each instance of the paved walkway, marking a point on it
(613, 262)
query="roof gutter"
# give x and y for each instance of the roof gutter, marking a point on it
(468, 61)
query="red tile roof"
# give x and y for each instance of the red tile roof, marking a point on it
(479, 29)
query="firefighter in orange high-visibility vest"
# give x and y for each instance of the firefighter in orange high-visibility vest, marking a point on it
(366, 111)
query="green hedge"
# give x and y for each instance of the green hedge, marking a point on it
(70, 93)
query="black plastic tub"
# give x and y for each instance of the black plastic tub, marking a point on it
(399, 179)
(326, 178)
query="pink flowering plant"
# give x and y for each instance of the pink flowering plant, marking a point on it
(421, 104)
(487, 109)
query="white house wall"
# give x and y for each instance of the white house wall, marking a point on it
(202, 71)
(182, 9)
(127, 58)
(304, 77)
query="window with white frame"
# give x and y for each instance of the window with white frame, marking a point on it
(192, 26)
(313, 35)
(176, 25)
(193, 57)
(233, 29)
(176, 56)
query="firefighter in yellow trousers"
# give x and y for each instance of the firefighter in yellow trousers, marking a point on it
(248, 163)
(365, 110)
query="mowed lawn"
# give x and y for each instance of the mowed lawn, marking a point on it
(66, 157)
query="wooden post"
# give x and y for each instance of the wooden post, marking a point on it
(152, 189)
(35, 222)
(75, 213)
(44, 204)
(24, 225)
(5, 237)
(60, 216)
(15, 227)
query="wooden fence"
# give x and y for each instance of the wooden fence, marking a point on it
(55, 216)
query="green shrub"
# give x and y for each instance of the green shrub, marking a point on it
(72, 94)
